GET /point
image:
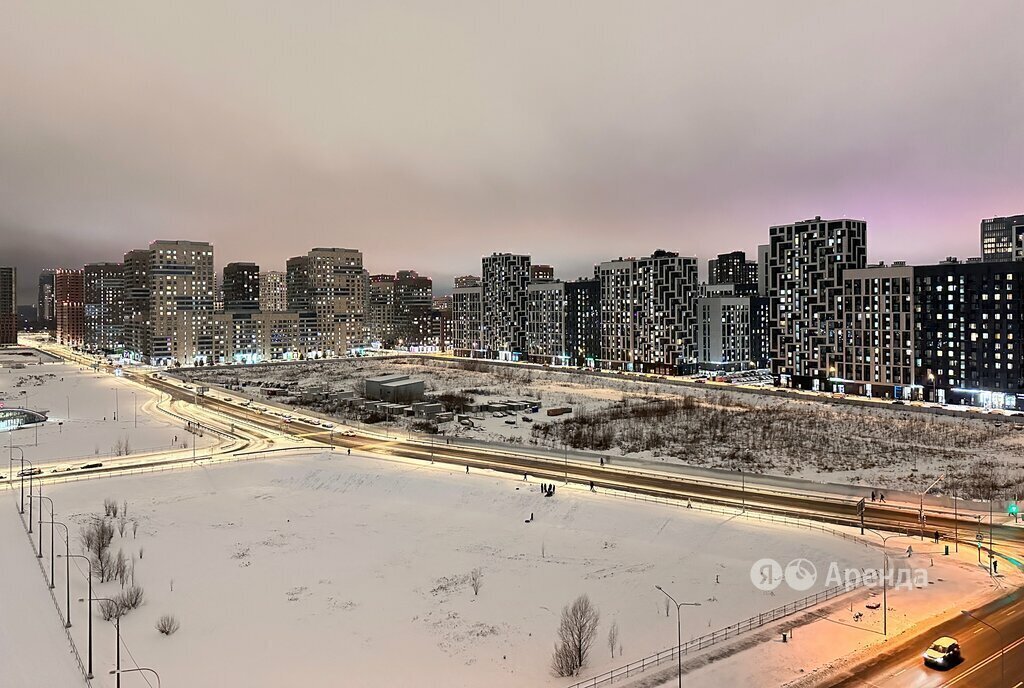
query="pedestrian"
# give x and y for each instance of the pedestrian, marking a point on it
(688, 504)
(467, 469)
(936, 537)
(350, 451)
(531, 516)
(910, 551)
(602, 460)
(872, 495)
(995, 566)
(716, 579)
(591, 485)
(881, 498)
(524, 476)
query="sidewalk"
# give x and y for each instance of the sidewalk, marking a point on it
(821, 644)
(34, 651)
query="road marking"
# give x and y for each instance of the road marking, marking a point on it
(991, 658)
(1019, 684)
(899, 672)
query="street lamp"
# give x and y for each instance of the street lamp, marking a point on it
(40, 555)
(885, 580)
(1002, 650)
(30, 475)
(116, 405)
(920, 513)
(67, 568)
(88, 562)
(135, 404)
(125, 671)
(117, 619)
(679, 630)
(10, 475)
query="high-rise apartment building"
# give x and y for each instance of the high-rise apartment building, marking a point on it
(338, 287)
(297, 284)
(505, 279)
(806, 263)
(138, 339)
(69, 296)
(8, 305)
(273, 291)
(732, 330)
(467, 281)
(467, 321)
(648, 312)
(1002, 238)
(46, 314)
(583, 322)
(876, 354)
(414, 296)
(104, 289)
(732, 268)
(241, 286)
(382, 310)
(181, 293)
(546, 330)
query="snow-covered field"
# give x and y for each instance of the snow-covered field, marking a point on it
(713, 427)
(325, 569)
(81, 405)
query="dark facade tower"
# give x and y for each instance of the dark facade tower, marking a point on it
(45, 304)
(104, 306)
(8, 305)
(1002, 238)
(69, 293)
(806, 263)
(241, 287)
(505, 280)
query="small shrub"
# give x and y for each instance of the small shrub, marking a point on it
(167, 624)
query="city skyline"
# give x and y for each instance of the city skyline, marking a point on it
(592, 144)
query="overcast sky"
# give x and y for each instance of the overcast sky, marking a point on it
(428, 134)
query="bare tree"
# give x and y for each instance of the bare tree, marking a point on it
(122, 523)
(576, 633)
(135, 527)
(124, 509)
(167, 624)
(666, 607)
(476, 580)
(120, 568)
(613, 637)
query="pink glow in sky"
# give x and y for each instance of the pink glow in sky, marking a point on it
(429, 134)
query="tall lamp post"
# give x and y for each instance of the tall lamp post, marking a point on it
(40, 555)
(920, 513)
(679, 630)
(135, 404)
(152, 671)
(116, 405)
(1002, 650)
(885, 580)
(23, 462)
(117, 619)
(21, 506)
(88, 562)
(67, 567)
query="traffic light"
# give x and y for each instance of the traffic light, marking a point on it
(1013, 508)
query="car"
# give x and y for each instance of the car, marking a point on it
(899, 402)
(510, 422)
(91, 465)
(28, 472)
(327, 425)
(348, 433)
(527, 419)
(944, 652)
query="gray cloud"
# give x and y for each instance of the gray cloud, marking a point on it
(428, 135)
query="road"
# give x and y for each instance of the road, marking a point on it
(982, 665)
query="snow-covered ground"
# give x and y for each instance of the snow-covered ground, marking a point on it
(34, 652)
(712, 427)
(326, 569)
(81, 408)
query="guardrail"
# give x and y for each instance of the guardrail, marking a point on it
(56, 606)
(707, 640)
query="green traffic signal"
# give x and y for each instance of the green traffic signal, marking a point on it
(1013, 509)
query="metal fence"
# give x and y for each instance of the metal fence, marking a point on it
(706, 641)
(53, 598)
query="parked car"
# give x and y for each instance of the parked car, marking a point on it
(92, 465)
(29, 472)
(944, 653)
